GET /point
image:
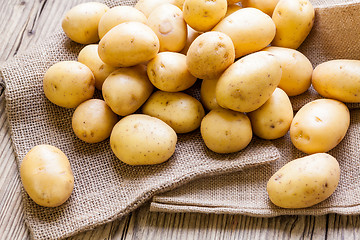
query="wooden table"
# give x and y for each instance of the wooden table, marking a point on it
(25, 22)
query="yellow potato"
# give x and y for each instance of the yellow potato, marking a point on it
(249, 82)
(296, 70)
(191, 36)
(93, 121)
(226, 131)
(126, 89)
(178, 3)
(272, 120)
(81, 22)
(147, 6)
(128, 44)
(118, 15)
(169, 26)
(250, 30)
(319, 126)
(207, 94)
(294, 20)
(68, 83)
(210, 54)
(266, 6)
(90, 57)
(231, 9)
(142, 140)
(233, 1)
(46, 175)
(168, 72)
(305, 181)
(203, 15)
(338, 79)
(180, 111)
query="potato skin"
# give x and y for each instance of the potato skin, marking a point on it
(139, 139)
(266, 6)
(147, 6)
(305, 181)
(319, 126)
(46, 175)
(68, 83)
(207, 94)
(338, 79)
(191, 36)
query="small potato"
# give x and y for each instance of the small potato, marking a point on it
(142, 140)
(249, 82)
(46, 175)
(207, 94)
(319, 126)
(128, 44)
(118, 15)
(305, 181)
(226, 131)
(168, 72)
(191, 36)
(272, 120)
(296, 70)
(81, 22)
(93, 121)
(169, 26)
(147, 6)
(294, 20)
(180, 111)
(126, 89)
(68, 83)
(203, 15)
(210, 54)
(266, 6)
(233, 1)
(338, 79)
(231, 9)
(90, 57)
(250, 30)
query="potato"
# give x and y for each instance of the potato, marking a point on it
(231, 9)
(207, 94)
(81, 22)
(338, 79)
(118, 15)
(93, 121)
(249, 82)
(90, 57)
(142, 140)
(180, 111)
(168, 72)
(272, 120)
(203, 15)
(169, 25)
(226, 131)
(266, 6)
(210, 54)
(126, 89)
(319, 126)
(128, 44)
(147, 6)
(68, 83)
(294, 20)
(259, 31)
(191, 36)
(296, 70)
(46, 175)
(233, 1)
(305, 181)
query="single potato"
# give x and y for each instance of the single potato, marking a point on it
(93, 121)
(249, 82)
(142, 140)
(81, 22)
(338, 79)
(168, 72)
(296, 70)
(294, 20)
(46, 175)
(305, 181)
(257, 26)
(226, 131)
(180, 111)
(169, 26)
(272, 120)
(207, 94)
(147, 6)
(191, 36)
(231, 9)
(319, 126)
(90, 57)
(210, 54)
(118, 15)
(126, 89)
(266, 6)
(68, 83)
(128, 44)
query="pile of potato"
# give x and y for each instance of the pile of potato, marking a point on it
(143, 57)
